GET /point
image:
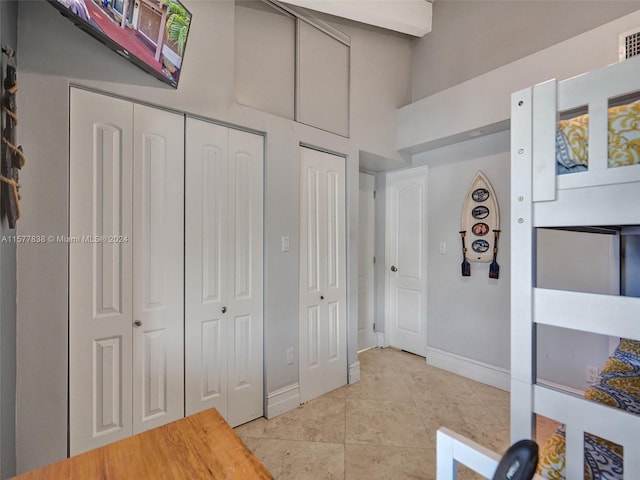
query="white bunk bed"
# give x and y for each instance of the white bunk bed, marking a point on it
(594, 197)
(599, 196)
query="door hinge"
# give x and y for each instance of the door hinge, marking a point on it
(374, 260)
(374, 194)
(374, 327)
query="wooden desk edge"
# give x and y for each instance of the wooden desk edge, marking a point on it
(202, 445)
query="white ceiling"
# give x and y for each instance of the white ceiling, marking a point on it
(412, 17)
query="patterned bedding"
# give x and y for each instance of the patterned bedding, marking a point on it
(619, 387)
(572, 139)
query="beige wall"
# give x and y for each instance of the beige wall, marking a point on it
(463, 310)
(472, 37)
(482, 105)
(467, 316)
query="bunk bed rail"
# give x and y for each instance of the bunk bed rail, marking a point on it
(594, 91)
(613, 204)
(581, 416)
(611, 315)
(454, 449)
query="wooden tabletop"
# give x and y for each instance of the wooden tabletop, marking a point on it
(196, 447)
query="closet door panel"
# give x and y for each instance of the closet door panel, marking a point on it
(245, 247)
(107, 372)
(213, 381)
(206, 284)
(322, 294)
(241, 236)
(100, 300)
(158, 212)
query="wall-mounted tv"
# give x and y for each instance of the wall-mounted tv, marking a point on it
(152, 34)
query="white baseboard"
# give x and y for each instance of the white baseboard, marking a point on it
(354, 372)
(283, 400)
(558, 386)
(475, 370)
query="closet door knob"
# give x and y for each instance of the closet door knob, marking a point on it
(321, 297)
(393, 268)
(224, 309)
(137, 323)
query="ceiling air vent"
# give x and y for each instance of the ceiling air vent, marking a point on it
(630, 44)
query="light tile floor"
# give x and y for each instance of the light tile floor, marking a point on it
(383, 427)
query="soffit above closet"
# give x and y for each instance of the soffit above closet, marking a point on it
(412, 17)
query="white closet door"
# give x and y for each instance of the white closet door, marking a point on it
(100, 272)
(206, 266)
(323, 347)
(224, 265)
(158, 232)
(245, 301)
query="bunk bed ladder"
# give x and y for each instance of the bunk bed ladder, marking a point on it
(522, 238)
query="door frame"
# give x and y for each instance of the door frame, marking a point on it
(387, 253)
(371, 267)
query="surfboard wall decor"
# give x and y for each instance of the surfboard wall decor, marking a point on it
(480, 226)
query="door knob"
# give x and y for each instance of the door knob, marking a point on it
(393, 268)
(137, 323)
(224, 309)
(321, 297)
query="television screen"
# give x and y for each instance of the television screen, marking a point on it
(150, 33)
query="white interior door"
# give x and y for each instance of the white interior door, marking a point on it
(158, 266)
(407, 260)
(366, 336)
(206, 266)
(245, 302)
(125, 269)
(322, 345)
(224, 270)
(100, 273)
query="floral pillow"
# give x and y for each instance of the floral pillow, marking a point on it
(624, 137)
(628, 352)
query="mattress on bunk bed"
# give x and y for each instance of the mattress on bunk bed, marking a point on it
(572, 139)
(619, 386)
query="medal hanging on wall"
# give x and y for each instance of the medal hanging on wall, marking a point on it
(480, 219)
(12, 156)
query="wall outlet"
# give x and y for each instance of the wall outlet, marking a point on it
(290, 356)
(592, 374)
(443, 247)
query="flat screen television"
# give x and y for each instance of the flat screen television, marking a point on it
(152, 34)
